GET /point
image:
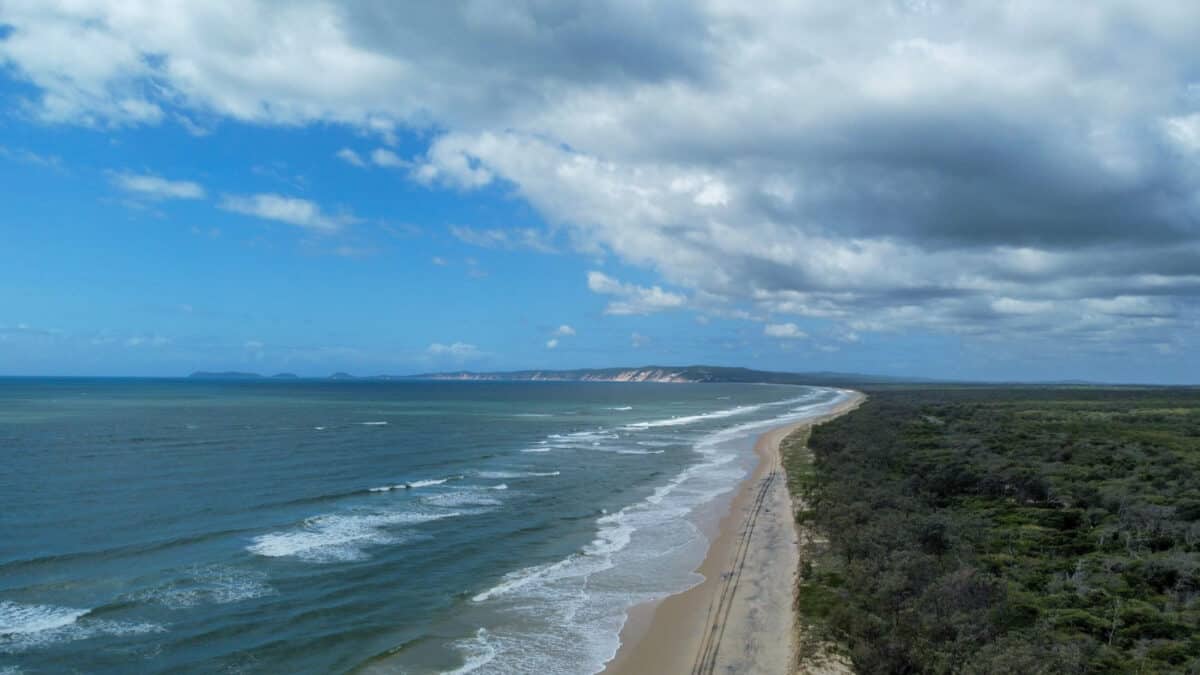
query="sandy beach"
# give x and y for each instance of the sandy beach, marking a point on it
(740, 619)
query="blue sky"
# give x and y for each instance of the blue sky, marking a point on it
(105, 280)
(530, 186)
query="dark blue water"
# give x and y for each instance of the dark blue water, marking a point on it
(309, 527)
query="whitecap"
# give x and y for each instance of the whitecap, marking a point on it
(501, 475)
(373, 424)
(17, 618)
(24, 627)
(413, 485)
(427, 483)
(339, 537)
(622, 407)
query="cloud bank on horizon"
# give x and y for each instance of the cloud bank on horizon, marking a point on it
(1022, 170)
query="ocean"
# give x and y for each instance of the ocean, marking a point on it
(313, 526)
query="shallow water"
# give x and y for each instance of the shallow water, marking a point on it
(316, 526)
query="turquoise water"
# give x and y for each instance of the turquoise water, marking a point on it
(158, 526)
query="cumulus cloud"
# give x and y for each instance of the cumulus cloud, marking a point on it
(155, 187)
(631, 298)
(552, 343)
(291, 210)
(968, 167)
(784, 330)
(564, 330)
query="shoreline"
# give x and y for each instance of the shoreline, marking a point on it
(736, 618)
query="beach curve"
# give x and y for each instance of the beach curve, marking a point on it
(737, 619)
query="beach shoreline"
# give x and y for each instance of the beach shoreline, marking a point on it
(736, 619)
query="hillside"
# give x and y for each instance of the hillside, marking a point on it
(667, 374)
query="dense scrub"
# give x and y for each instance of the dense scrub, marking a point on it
(1008, 531)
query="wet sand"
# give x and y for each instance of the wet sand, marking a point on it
(740, 619)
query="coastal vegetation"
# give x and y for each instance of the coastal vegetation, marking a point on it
(710, 374)
(1004, 530)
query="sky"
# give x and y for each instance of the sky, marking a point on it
(950, 189)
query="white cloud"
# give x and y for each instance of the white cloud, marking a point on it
(458, 351)
(147, 341)
(784, 330)
(28, 157)
(633, 299)
(291, 210)
(388, 159)
(564, 330)
(959, 167)
(350, 157)
(438, 260)
(156, 187)
(552, 343)
(507, 239)
(638, 340)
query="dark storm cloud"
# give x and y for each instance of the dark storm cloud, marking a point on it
(530, 42)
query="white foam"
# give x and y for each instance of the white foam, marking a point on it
(215, 584)
(373, 424)
(627, 451)
(461, 498)
(716, 414)
(569, 613)
(536, 450)
(339, 537)
(478, 652)
(502, 486)
(16, 618)
(24, 627)
(319, 428)
(692, 419)
(583, 438)
(501, 475)
(533, 415)
(413, 485)
(622, 407)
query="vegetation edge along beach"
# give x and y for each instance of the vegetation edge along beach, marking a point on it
(1003, 530)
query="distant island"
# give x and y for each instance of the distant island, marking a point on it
(673, 374)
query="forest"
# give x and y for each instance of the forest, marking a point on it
(1004, 530)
